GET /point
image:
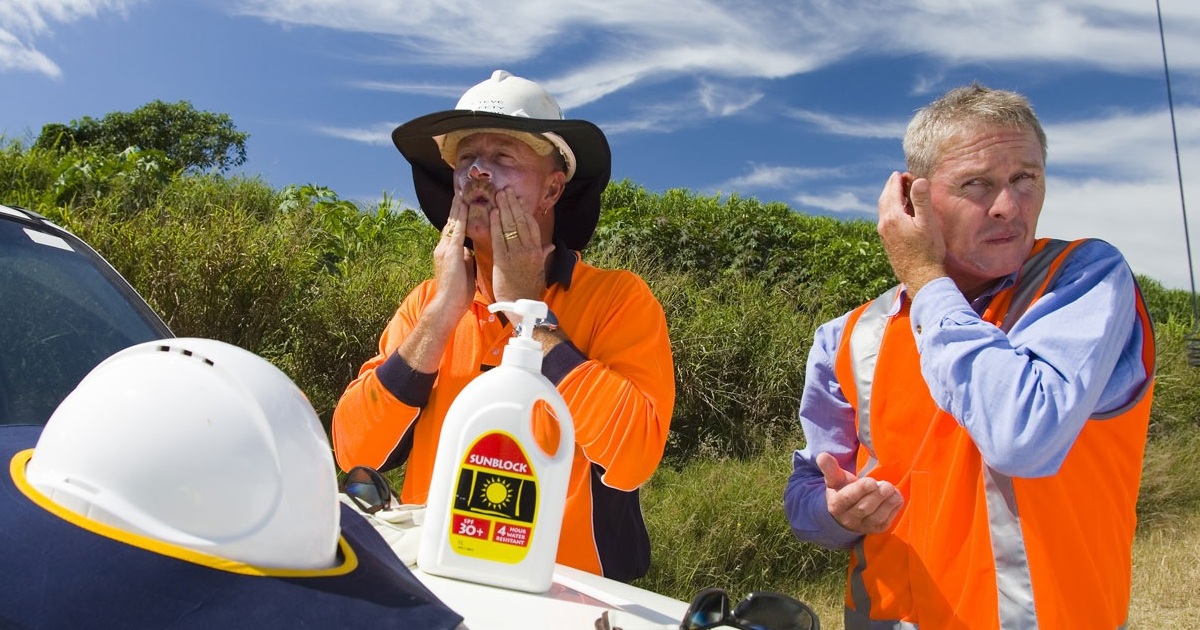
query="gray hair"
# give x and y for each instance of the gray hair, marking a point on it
(963, 110)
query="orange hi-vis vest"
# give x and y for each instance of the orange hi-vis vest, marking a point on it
(973, 548)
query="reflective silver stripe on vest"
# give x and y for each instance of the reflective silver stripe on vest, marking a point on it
(1014, 586)
(858, 588)
(865, 339)
(1013, 582)
(1029, 281)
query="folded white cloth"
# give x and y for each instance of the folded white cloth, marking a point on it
(400, 526)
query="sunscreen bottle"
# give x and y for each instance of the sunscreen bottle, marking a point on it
(501, 472)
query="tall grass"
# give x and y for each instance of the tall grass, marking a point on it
(309, 280)
(718, 521)
(1166, 572)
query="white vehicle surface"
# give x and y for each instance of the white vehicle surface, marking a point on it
(575, 600)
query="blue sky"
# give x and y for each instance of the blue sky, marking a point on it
(800, 101)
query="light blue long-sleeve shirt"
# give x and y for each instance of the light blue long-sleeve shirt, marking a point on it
(1023, 396)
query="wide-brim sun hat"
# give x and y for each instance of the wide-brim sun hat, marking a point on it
(505, 104)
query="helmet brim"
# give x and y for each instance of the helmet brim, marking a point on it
(578, 209)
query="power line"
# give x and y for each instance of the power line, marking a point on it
(1193, 340)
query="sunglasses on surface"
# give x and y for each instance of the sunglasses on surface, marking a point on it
(367, 488)
(762, 610)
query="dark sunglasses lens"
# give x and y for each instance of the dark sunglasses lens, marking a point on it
(773, 611)
(709, 607)
(367, 488)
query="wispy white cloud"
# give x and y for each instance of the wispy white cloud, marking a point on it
(1115, 178)
(420, 89)
(766, 176)
(633, 42)
(33, 17)
(850, 126)
(1143, 219)
(630, 41)
(378, 134)
(723, 100)
(24, 21)
(429, 31)
(1128, 145)
(928, 82)
(705, 102)
(16, 55)
(842, 202)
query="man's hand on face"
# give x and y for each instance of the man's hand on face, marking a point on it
(454, 264)
(911, 233)
(518, 254)
(861, 505)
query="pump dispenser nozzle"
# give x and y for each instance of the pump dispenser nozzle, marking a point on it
(523, 351)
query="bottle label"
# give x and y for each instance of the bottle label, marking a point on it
(495, 501)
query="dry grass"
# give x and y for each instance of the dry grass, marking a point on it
(1166, 576)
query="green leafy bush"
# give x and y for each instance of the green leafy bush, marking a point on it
(39, 178)
(726, 528)
(187, 139)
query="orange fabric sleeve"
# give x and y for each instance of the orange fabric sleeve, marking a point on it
(622, 397)
(369, 421)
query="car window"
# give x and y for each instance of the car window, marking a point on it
(62, 312)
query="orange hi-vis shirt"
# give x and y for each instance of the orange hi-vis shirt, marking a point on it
(616, 376)
(974, 549)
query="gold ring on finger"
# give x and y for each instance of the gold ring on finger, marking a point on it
(510, 235)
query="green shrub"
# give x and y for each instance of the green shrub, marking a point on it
(739, 352)
(719, 522)
(824, 266)
(298, 276)
(1167, 305)
(82, 177)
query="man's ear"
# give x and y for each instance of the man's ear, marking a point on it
(554, 187)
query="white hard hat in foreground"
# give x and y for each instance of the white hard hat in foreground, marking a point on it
(198, 443)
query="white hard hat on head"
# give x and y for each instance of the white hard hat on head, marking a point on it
(503, 93)
(198, 443)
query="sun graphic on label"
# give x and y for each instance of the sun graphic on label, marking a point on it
(496, 493)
